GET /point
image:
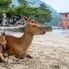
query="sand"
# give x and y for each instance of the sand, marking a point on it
(49, 51)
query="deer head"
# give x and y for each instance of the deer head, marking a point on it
(34, 28)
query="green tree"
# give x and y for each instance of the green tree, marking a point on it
(23, 2)
(41, 13)
(4, 5)
(5, 2)
(12, 11)
(44, 14)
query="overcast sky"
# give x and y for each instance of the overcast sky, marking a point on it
(58, 5)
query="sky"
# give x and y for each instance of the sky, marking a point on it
(58, 5)
(14, 2)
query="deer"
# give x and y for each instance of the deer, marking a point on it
(19, 46)
(3, 51)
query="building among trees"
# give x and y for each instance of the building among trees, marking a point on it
(64, 20)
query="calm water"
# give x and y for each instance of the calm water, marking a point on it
(61, 32)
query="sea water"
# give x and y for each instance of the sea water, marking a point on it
(63, 32)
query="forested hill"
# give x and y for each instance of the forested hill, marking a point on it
(55, 15)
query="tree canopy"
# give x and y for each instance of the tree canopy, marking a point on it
(23, 2)
(4, 5)
(41, 13)
(5, 2)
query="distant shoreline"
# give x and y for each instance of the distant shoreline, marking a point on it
(61, 32)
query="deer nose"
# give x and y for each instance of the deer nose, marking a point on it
(43, 31)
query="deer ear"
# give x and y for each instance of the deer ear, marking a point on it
(30, 20)
(26, 18)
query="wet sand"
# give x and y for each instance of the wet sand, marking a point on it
(49, 51)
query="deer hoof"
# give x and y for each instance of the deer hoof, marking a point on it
(29, 56)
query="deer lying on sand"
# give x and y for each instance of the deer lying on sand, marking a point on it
(19, 46)
(2, 48)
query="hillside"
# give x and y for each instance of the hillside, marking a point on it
(55, 15)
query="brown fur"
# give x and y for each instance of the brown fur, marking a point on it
(2, 45)
(19, 46)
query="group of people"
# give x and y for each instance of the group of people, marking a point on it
(8, 21)
(12, 21)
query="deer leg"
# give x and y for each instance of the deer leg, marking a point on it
(19, 57)
(2, 58)
(29, 56)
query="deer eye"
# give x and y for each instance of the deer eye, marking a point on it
(32, 22)
(34, 25)
(40, 28)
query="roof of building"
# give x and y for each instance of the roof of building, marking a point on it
(64, 13)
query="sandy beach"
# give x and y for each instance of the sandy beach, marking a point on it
(49, 51)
